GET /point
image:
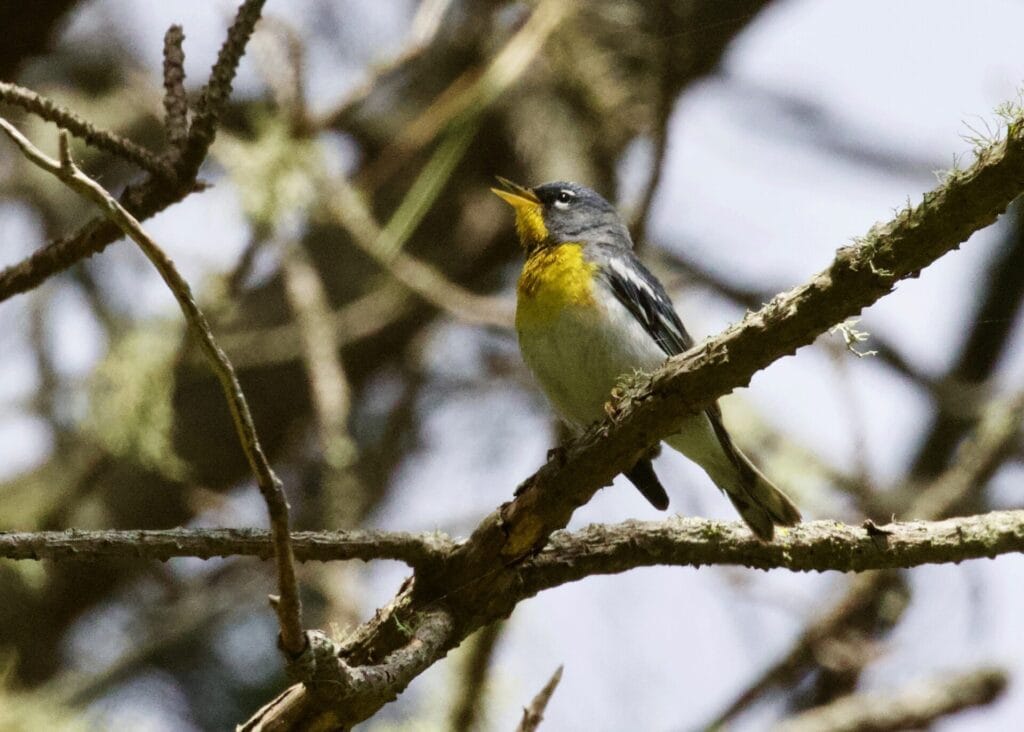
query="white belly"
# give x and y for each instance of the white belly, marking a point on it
(579, 355)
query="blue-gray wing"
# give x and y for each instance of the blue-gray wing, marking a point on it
(641, 293)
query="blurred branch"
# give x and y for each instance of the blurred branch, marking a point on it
(425, 26)
(329, 385)
(806, 121)
(475, 91)
(288, 606)
(474, 672)
(816, 546)
(479, 583)
(754, 299)
(361, 318)
(104, 140)
(306, 295)
(995, 436)
(424, 280)
(281, 57)
(534, 714)
(916, 706)
(665, 102)
(1001, 297)
(156, 192)
(993, 440)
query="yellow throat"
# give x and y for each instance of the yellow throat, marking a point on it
(555, 276)
(553, 279)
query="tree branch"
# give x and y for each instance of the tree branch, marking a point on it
(817, 546)
(156, 192)
(473, 674)
(360, 690)
(288, 608)
(215, 94)
(322, 546)
(104, 140)
(479, 583)
(534, 714)
(175, 98)
(654, 406)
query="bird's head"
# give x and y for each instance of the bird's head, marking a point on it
(555, 213)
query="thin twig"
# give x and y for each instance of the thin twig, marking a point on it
(217, 90)
(534, 714)
(288, 608)
(175, 99)
(104, 140)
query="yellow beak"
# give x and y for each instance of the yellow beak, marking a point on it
(517, 196)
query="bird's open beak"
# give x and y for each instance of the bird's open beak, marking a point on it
(515, 195)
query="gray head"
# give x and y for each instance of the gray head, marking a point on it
(554, 213)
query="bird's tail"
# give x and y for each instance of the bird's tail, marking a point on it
(762, 506)
(759, 502)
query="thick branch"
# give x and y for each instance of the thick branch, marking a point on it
(814, 546)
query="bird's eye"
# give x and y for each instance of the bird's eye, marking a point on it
(564, 198)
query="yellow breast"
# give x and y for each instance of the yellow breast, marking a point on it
(553, 279)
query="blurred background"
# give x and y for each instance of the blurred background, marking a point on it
(360, 275)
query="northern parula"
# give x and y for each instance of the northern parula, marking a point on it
(588, 313)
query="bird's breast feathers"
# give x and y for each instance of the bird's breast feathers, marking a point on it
(575, 336)
(554, 278)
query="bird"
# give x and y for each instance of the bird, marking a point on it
(588, 313)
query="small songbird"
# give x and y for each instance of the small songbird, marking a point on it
(588, 313)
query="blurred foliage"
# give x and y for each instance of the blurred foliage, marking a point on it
(130, 411)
